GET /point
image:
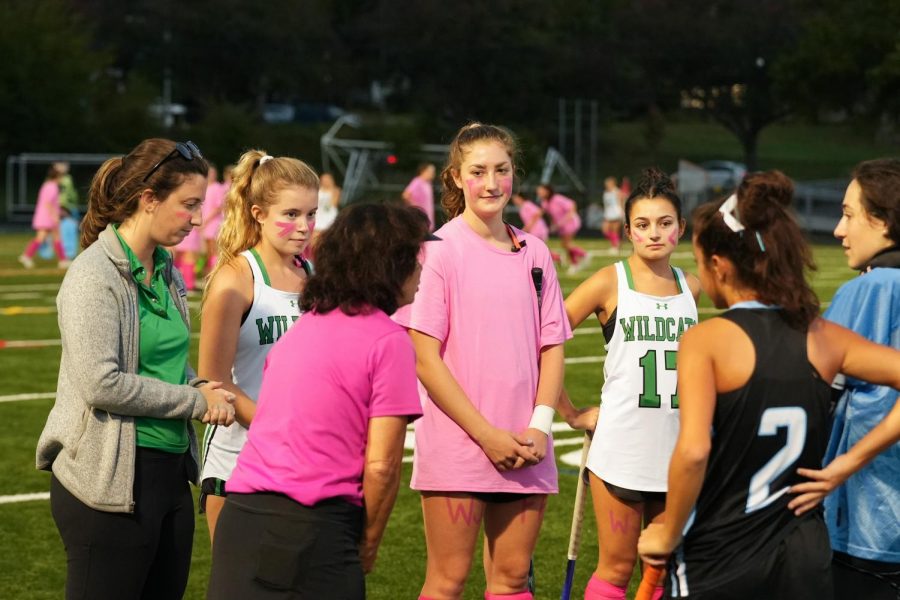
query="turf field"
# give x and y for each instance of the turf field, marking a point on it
(32, 561)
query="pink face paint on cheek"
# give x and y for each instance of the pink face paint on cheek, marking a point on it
(286, 228)
(637, 238)
(474, 187)
(506, 186)
(184, 214)
(673, 239)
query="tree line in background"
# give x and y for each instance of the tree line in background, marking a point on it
(81, 75)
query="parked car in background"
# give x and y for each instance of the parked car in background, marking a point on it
(722, 175)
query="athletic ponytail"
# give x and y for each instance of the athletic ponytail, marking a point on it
(770, 255)
(255, 181)
(119, 182)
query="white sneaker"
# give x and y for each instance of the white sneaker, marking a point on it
(64, 263)
(26, 261)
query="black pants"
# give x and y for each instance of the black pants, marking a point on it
(858, 579)
(269, 547)
(145, 554)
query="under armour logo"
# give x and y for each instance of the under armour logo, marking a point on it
(661, 305)
(292, 304)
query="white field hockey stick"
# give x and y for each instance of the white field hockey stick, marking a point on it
(577, 520)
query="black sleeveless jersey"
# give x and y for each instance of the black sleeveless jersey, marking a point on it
(762, 433)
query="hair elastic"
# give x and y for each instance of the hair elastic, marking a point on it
(729, 215)
(263, 160)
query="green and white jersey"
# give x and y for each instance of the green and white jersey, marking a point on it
(638, 423)
(270, 316)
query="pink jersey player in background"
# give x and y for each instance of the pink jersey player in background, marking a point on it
(212, 216)
(45, 221)
(533, 222)
(563, 213)
(420, 191)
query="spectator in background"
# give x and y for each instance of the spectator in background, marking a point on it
(420, 191)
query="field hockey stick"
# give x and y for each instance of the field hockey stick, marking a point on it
(577, 519)
(651, 579)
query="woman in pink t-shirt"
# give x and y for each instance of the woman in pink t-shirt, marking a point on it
(563, 213)
(45, 221)
(488, 325)
(315, 483)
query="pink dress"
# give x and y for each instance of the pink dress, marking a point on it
(214, 202)
(422, 196)
(323, 381)
(46, 213)
(527, 212)
(559, 207)
(480, 303)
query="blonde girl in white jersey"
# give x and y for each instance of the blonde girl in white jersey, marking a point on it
(644, 305)
(251, 297)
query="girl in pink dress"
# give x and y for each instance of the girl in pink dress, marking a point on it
(45, 221)
(488, 325)
(564, 213)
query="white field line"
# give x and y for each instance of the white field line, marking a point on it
(29, 287)
(19, 397)
(24, 497)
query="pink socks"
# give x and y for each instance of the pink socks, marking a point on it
(657, 592)
(516, 596)
(32, 248)
(58, 247)
(614, 239)
(576, 254)
(599, 589)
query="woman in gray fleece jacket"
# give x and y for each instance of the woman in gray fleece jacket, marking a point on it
(119, 439)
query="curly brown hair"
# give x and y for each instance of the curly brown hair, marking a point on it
(364, 258)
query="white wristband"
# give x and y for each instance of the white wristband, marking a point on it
(542, 418)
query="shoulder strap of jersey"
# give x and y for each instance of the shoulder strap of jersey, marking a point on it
(681, 281)
(252, 258)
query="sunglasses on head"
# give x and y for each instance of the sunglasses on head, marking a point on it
(187, 150)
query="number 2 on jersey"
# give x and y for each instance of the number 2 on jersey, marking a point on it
(793, 418)
(650, 397)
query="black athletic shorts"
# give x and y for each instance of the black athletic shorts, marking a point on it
(626, 494)
(798, 568)
(211, 486)
(499, 497)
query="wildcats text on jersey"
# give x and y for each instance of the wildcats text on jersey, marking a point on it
(664, 329)
(273, 327)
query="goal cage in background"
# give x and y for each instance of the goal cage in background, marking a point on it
(363, 165)
(25, 172)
